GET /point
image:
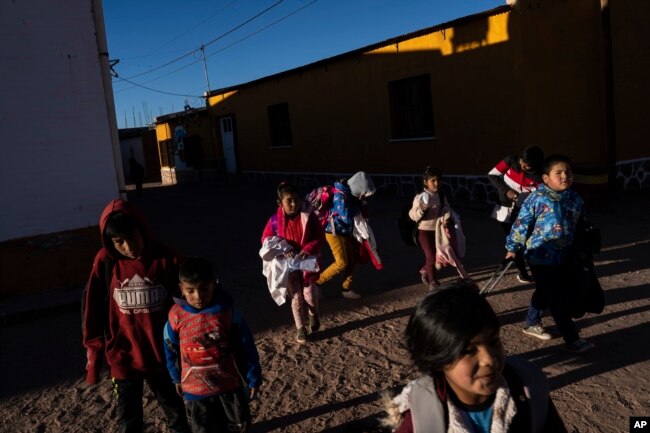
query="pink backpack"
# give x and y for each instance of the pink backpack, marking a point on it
(319, 201)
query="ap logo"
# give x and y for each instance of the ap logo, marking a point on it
(640, 424)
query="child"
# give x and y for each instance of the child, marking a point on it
(544, 230)
(302, 231)
(124, 322)
(468, 385)
(430, 210)
(515, 177)
(211, 341)
(348, 199)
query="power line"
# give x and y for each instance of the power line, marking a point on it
(262, 29)
(193, 27)
(226, 47)
(158, 91)
(210, 42)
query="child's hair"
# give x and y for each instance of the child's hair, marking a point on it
(556, 158)
(533, 156)
(196, 270)
(443, 324)
(430, 172)
(285, 188)
(120, 224)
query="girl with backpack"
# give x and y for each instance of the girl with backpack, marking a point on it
(292, 235)
(468, 384)
(432, 213)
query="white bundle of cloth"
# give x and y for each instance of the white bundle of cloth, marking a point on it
(276, 267)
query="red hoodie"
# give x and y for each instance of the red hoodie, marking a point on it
(130, 333)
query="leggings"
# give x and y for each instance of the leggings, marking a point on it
(303, 297)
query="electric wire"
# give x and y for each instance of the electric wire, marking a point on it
(220, 50)
(210, 42)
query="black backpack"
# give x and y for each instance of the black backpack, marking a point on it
(408, 229)
(107, 274)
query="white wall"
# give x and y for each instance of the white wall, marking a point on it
(57, 168)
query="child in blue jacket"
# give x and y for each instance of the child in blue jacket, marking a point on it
(210, 340)
(545, 229)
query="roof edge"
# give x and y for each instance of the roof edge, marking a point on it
(374, 46)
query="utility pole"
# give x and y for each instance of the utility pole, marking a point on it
(205, 67)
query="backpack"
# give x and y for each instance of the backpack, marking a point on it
(408, 229)
(107, 274)
(319, 201)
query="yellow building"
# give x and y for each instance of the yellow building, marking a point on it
(567, 75)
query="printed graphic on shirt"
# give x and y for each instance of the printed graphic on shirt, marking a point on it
(139, 296)
(208, 366)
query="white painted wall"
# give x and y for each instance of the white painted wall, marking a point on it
(57, 164)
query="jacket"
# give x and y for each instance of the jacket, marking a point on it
(427, 219)
(546, 226)
(521, 405)
(213, 346)
(129, 333)
(348, 200)
(312, 235)
(276, 267)
(507, 175)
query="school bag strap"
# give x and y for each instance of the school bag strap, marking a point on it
(530, 390)
(427, 411)
(274, 223)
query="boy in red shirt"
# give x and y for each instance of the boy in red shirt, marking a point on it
(124, 322)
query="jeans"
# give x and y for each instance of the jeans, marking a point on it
(553, 290)
(345, 250)
(228, 412)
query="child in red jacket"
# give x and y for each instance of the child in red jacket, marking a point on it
(124, 322)
(303, 232)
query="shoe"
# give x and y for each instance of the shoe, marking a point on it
(580, 346)
(525, 279)
(314, 323)
(537, 331)
(424, 277)
(350, 294)
(301, 335)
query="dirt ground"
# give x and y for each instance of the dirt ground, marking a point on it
(332, 383)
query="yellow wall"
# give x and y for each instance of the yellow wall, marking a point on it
(340, 116)
(630, 21)
(194, 124)
(530, 76)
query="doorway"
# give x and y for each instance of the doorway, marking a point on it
(226, 126)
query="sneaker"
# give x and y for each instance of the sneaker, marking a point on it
(424, 277)
(350, 294)
(525, 279)
(314, 323)
(580, 346)
(537, 331)
(301, 335)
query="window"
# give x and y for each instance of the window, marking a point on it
(280, 125)
(411, 108)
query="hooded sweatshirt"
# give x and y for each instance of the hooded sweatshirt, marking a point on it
(128, 326)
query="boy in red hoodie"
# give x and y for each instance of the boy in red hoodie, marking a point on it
(124, 322)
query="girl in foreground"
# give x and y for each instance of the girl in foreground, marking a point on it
(468, 385)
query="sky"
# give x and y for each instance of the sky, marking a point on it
(159, 44)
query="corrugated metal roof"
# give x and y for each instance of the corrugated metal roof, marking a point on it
(356, 52)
